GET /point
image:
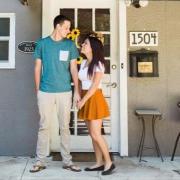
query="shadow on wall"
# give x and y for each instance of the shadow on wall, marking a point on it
(174, 109)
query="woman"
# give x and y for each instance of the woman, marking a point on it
(92, 106)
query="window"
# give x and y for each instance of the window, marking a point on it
(7, 40)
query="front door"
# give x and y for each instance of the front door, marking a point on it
(99, 16)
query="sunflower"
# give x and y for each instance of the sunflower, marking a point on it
(97, 35)
(79, 60)
(71, 36)
(75, 32)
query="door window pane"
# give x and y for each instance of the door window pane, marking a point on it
(106, 130)
(4, 26)
(107, 67)
(70, 14)
(106, 45)
(82, 128)
(4, 50)
(71, 123)
(85, 20)
(102, 19)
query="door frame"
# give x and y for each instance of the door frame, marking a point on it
(123, 107)
(47, 7)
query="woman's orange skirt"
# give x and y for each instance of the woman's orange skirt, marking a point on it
(95, 107)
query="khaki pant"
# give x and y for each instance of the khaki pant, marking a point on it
(46, 103)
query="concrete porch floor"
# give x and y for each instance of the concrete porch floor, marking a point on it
(128, 168)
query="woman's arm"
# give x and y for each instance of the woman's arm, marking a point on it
(95, 83)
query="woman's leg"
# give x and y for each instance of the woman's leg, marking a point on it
(95, 132)
(97, 150)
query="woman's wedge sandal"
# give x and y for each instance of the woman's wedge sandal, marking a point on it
(72, 168)
(37, 168)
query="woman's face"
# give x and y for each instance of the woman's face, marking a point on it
(86, 47)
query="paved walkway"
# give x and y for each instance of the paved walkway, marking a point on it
(17, 168)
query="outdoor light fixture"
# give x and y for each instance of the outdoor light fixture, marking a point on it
(24, 2)
(137, 3)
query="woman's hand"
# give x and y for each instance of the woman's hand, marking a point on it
(80, 104)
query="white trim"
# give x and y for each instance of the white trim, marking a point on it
(75, 19)
(6, 38)
(46, 18)
(79, 4)
(123, 150)
(93, 19)
(11, 61)
(85, 141)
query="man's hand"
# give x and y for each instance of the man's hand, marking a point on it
(77, 97)
(37, 90)
(74, 73)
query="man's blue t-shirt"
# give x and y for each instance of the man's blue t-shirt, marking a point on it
(55, 57)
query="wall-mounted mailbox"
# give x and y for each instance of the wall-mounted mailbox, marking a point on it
(143, 63)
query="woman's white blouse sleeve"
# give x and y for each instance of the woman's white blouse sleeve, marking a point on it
(100, 68)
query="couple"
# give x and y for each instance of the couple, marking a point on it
(55, 63)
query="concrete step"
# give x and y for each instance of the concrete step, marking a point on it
(79, 156)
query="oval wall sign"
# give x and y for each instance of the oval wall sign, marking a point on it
(27, 46)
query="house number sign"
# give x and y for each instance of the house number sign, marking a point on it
(27, 46)
(143, 38)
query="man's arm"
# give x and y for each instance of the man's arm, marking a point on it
(37, 74)
(74, 73)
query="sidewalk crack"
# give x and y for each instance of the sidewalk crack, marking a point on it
(24, 169)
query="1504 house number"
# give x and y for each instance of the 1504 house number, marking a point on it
(143, 38)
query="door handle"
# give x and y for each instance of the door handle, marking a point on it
(113, 85)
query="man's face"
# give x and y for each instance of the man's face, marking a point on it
(64, 28)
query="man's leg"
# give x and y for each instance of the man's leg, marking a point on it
(46, 102)
(64, 102)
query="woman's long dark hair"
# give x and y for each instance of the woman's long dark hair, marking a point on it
(97, 53)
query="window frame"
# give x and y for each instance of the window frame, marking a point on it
(10, 64)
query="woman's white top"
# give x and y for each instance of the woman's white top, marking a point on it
(83, 75)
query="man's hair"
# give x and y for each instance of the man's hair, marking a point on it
(60, 20)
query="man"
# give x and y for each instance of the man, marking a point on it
(55, 62)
